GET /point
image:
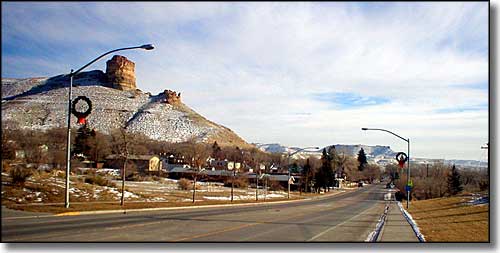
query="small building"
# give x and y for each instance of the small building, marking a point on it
(144, 164)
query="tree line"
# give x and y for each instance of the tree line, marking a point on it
(49, 147)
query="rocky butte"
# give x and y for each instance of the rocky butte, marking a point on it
(41, 103)
(121, 73)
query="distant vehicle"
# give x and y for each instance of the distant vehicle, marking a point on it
(389, 186)
(360, 184)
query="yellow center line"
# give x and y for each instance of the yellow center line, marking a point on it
(135, 225)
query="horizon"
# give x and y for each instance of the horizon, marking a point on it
(314, 74)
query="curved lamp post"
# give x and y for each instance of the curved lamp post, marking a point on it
(289, 156)
(407, 141)
(68, 144)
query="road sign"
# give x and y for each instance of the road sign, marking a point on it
(291, 180)
(408, 188)
(230, 165)
(262, 166)
(410, 183)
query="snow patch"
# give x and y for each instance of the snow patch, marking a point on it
(412, 222)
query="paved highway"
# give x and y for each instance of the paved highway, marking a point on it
(348, 216)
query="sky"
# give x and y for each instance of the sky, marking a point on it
(299, 74)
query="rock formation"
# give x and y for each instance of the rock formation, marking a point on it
(121, 73)
(171, 97)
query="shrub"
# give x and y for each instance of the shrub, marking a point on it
(241, 182)
(275, 186)
(98, 180)
(20, 175)
(184, 184)
(135, 177)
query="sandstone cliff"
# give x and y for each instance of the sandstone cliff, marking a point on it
(121, 73)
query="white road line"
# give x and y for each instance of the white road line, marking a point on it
(27, 217)
(340, 224)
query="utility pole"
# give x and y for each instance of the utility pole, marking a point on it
(232, 184)
(288, 163)
(256, 187)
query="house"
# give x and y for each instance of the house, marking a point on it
(144, 164)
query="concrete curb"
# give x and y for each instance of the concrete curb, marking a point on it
(412, 223)
(374, 235)
(76, 213)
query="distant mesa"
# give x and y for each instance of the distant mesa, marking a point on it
(120, 72)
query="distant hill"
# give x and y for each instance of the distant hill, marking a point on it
(371, 151)
(381, 155)
(41, 103)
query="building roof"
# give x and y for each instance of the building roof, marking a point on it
(132, 157)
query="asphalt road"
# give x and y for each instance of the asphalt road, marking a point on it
(348, 216)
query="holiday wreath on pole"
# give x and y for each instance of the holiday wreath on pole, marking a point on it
(81, 115)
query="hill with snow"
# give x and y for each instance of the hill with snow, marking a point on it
(41, 103)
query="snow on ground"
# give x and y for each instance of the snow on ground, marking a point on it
(111, 172)
(117, 193)
(478, 199)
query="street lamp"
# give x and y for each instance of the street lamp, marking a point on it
(407, 141)
(68, 143)
(289, 156)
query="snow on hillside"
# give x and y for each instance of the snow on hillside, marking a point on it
(41, 103)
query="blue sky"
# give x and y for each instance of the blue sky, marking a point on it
(301, 74)
(341, 100)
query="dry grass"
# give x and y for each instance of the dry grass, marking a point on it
(94, 206)
(449, 220)
(44, 192)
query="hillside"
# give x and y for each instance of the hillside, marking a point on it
(352, 150)
(453, 219)
(41, 103)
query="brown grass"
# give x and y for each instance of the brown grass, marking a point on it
(449, 220)
(94, 206)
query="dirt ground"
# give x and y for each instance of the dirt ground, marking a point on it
(44, 192)
(453, 219)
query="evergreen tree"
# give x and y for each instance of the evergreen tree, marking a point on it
(324, 176)
(83, 139)
(362, 160)
(454, 184)
(216, 151)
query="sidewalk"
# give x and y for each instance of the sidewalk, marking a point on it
(396, 227)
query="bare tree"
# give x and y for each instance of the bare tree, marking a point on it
(197, 154)
(120, 145)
